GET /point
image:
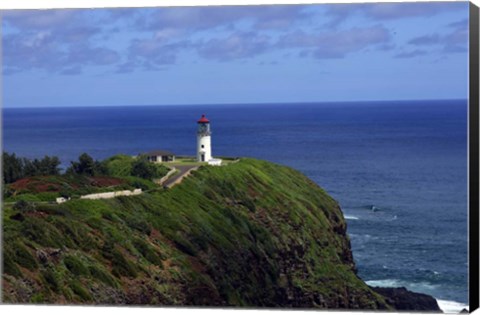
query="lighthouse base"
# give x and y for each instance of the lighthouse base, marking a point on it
(215, 162)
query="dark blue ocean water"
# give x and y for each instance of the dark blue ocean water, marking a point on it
(398, 169)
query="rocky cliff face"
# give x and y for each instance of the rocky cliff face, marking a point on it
(405, 300)
(248, 234)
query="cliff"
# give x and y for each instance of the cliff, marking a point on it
(251, 233)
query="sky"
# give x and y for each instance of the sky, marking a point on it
(235, 54)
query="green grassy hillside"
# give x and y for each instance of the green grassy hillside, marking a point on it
(248, 234)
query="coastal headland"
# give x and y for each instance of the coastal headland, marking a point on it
(251, 234)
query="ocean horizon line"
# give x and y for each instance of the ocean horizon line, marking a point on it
(237, 104)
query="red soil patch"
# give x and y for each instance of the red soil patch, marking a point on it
(40, 184)
(103, 181)
(36, 184)
(22, 183)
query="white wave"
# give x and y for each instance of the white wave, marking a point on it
(375, 209)
(422, 287)
(350, 217)
(386, 283)
(451, 306)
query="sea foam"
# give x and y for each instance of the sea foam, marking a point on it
(451, 306)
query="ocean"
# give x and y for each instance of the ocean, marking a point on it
(397, 168)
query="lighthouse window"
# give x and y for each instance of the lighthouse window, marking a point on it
(203, 146)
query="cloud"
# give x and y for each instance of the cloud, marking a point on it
(72, 71)
(454, 41)
(202, 18)
(56, 41)
(52, 53)
(30, 51)
(236, 46)
(156, 50)
(454, 49)
(82, 54)
(65, 41)
(462, 24)
(425, 40)
(39, 19)
(410, 54)
(390, 11)
(126, 67)
(335, 44)
(68, 41)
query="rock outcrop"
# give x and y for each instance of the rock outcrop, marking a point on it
(404, 300)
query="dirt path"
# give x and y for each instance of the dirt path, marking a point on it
(183, 171)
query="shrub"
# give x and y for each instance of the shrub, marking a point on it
(80, 291)
(74, 233)
(75, 266)
(185, 246)
(7, 190)
(139, 184)
(144, 169)
(146, 251)
(9, 266)
(121, 266)
(51, 280)
(23, 257)
(37, 298)
(101, 275)
(139, 225)
(47, 196)
(119, 165)
(43, 233)
(53, 210)
(24, 206)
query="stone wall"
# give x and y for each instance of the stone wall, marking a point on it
(164, 178)
(113, 194)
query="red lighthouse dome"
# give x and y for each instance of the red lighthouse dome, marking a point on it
(203, 120)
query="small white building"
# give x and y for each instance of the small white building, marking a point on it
(159, 156)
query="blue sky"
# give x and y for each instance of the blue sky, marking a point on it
(247, 54)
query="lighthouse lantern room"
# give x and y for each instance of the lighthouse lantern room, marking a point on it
(204, 143)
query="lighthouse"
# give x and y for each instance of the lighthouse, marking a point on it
(204, 142)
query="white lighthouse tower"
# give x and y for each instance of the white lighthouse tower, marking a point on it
(204, 140)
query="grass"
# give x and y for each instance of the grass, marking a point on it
(224, 236)
(189, 160)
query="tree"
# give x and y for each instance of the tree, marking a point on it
(86, 166)
(143, 168)
(13, 167)
(49, 165)
(46, 166)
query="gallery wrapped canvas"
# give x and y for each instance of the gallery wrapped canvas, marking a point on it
(303, 156)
